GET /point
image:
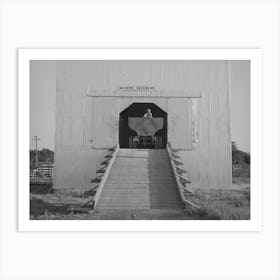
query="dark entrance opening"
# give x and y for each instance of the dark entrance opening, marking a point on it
(131, 138)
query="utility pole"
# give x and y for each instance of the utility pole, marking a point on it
(36, 139)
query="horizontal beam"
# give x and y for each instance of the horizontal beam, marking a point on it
(159, 93)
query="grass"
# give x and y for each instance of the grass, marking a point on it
(215, 204)
(233, 204)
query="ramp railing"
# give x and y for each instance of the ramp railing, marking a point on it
(182, 181)
(93, 193)
(105, 170)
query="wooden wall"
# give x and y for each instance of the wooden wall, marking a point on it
(195, 94)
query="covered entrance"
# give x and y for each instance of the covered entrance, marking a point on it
(143, 125)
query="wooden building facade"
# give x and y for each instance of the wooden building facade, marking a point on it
(96, 98)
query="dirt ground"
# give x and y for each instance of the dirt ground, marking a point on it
(215, 204)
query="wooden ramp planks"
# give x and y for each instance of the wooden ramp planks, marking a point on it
(140, 179)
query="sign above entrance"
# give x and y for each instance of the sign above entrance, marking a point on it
(136, 88)
(144, 91)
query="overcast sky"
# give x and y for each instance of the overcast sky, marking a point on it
(43, 90)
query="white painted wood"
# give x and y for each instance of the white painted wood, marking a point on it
(180, 123)
(105, 122)
(124, 102)
(143, 93)
(165, 76)
(87, 125)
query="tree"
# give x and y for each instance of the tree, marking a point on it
(239, 157)
(45, 155)
(234, 146)
(247, 159)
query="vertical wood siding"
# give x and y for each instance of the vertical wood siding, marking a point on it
(180, 123)
(86, 126)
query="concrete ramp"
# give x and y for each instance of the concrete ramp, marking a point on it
(140, 179)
